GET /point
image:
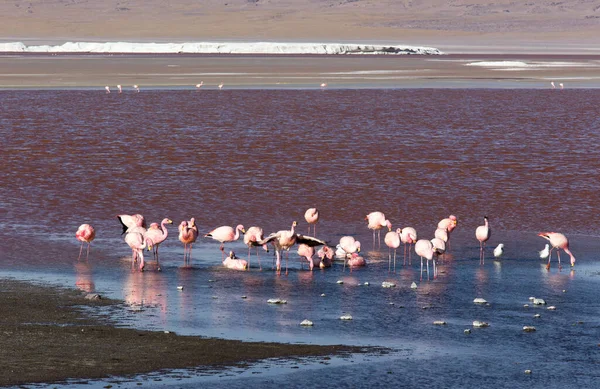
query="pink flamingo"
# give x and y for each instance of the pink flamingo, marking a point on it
(107, 88)
(392, 241)
(85, 234)
(483, 233)
(129, 222)
(156, 235)
(188, 233)
(376, 221)
(285, 239)
(347, 246)
(233, 262)
(439, 246)
(198, 86)
(312, 217)
(220, 86)
(424, 248)
(557, 241)
(356, 260)
(251, 237)
(136, 88)
(138, 243)
(306, 251)
(225, 234)
(120, 88)
(448, 223)
(408, 237)
(326, 255)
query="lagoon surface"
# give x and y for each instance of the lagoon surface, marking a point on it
(526, 158)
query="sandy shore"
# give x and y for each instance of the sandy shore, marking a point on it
(50, 334)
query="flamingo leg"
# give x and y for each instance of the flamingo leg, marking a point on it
(421, 268)
(394, 260)
(257, 258)
(428, 270)
(389, 260)
(434, 270)
(404, 254)
(88, 251)
(558, 255)
(157, 263)
(80, 249)
(410, 254)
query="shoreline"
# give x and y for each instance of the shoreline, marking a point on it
(52, 334)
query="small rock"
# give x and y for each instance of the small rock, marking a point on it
(244, 297)
(212, 280)
(387, 284)
(439, 323)
(413, 285)
(467, 331)
(479, 300)
(346, 317)
(276, 301)
(215, 297)
(529, 328)
(564, 291)
(306, 322)
(391, 303)
(531, 298)
(167, 332)
(340, 282)
(537, 315)
(366, 284)
(93, 296)
(527, 371)
(526, 306)
(537, 301)
(322, 294)
(480, 324)
(551, 308)
(180, 287)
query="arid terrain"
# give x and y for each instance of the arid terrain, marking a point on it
(455, 26)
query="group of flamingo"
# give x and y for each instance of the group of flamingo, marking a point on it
(139, 237)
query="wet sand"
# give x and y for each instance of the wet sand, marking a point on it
(51, 334)
(296, 71)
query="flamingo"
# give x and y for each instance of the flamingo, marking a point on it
(448, 223)
(483, 233)
(198, 86)
(137, 88)
(188, 233)
(323, 85)
(85, 234)
(562, 86)
(376, 221)
(557, 241)
(424, 248)
(130, 221)
(408, 236)
(158, 234)
(392, 241)
(225, 234)
(347, 246)
(107, 88)
(285, 239)
(119, 88)
(439, 247)
(251, 237)
(306, 251)
(552, 84)
(138, 243)
(356, 260)
(220, 86)
(312, 217)
(498, 251)
(325, 254)
(233, 262)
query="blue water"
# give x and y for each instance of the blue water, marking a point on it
(416, 155)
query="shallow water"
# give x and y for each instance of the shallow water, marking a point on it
(525, 158)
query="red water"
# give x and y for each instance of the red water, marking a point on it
(526, 158)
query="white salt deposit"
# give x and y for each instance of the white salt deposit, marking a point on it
(219, 48)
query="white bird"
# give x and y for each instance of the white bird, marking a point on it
(198, 86)
(545, 253)
(499, 250)
(552, 84)
(107, 89)
(220, 86)
(137, 88)
(119, 88)
(324, 85)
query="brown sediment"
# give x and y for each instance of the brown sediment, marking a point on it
(50, 334)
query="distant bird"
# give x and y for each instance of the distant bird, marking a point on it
(323, 85)
(198, 86)
(408, 238)
(545, 253)
(131, 221)
(562, 86)
(233, 262)
(392, 241)
(156, 235)
(483, 233)
(376, 221)
(107, 88)
(85, 234)
(285, 239)
(188, 233)
(226, 234)
(119, 88)
(499, 250)
(552, 84)
(138, 243)
(448, 223)
(424, 249)
(220, 86)
(557, 241)
(251, 237)
(306, 251)
(136, 88)
(326, 255)
(312, 217)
